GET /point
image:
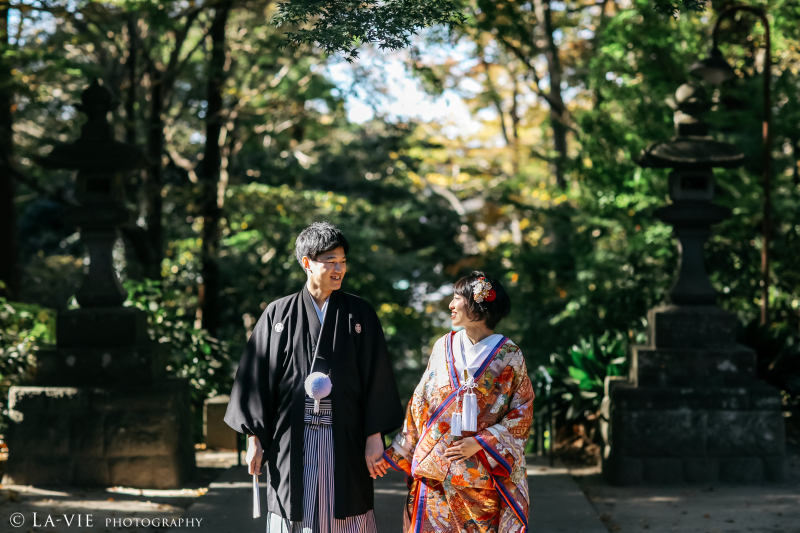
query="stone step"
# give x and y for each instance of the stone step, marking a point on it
(626, 470)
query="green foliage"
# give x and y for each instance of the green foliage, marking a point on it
(191, 352)
(421, 204)
(666, 7)
(342, 26)
(391, 248)
(24, 329)
(580, 374)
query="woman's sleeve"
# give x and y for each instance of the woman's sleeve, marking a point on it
(504, 442)
(401, 451)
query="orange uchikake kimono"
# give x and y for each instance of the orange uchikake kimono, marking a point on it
(489, 491)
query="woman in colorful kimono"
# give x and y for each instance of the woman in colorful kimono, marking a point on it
(462, 443)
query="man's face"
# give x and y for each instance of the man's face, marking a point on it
(328, 271)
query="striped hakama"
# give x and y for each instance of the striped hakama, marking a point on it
(318, 482)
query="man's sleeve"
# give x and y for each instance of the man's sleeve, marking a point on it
(249, 406)
(383, 412)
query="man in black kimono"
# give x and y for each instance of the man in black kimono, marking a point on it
(320, 465)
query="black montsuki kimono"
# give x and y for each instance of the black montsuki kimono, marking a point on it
(268, 395)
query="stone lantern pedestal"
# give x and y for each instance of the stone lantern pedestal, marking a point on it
(692, 409)
(102, 412)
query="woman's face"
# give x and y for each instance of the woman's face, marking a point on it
(459, 311)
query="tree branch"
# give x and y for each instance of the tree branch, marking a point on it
(57, 195)
(495, 98)
(181, 162)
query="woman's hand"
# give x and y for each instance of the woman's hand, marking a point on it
(462, 449)
(374, 456)
(254, 455)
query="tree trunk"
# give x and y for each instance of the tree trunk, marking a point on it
(9, 252)
(153, 187)
(212, 159)
(161, 84)
(514, 114)
(557, 108)
(560, 215)
(138, 257)
(133, 79)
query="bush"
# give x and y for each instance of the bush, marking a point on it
(192, 353)
(578, 389)
(24, 328)
(579, 374)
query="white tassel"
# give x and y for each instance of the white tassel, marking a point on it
(470, 412)
(316, 406)
(455, 425)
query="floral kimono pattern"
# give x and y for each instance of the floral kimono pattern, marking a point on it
(488, 492)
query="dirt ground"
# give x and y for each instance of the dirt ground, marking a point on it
(26, 509)
(767, 508)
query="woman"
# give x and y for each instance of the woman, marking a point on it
(463, 455)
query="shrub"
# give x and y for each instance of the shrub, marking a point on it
(192, 353)
(578, 388)
(580, 373)
(24, 328)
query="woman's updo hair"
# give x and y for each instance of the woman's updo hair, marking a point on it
(490, 312)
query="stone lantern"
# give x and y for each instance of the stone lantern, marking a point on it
(692, 409)
(101, 412)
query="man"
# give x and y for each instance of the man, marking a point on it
(319, 465)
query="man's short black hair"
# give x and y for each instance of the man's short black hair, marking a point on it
(492, 312)
(318, 238)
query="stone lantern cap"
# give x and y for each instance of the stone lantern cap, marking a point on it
(691, 153)
(692, 147)
(95, 150)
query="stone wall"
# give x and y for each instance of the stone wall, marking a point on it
(101, 437)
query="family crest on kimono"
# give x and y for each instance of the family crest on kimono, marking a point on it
(315, 393)
(462, 443)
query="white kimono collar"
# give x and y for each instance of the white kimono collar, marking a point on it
(473, 355)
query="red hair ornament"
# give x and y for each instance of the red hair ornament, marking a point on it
(491, 296)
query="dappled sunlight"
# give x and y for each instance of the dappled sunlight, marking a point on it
(563, 147)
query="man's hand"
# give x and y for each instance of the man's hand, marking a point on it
(254, 455)
(374, 456)
(462, 449)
